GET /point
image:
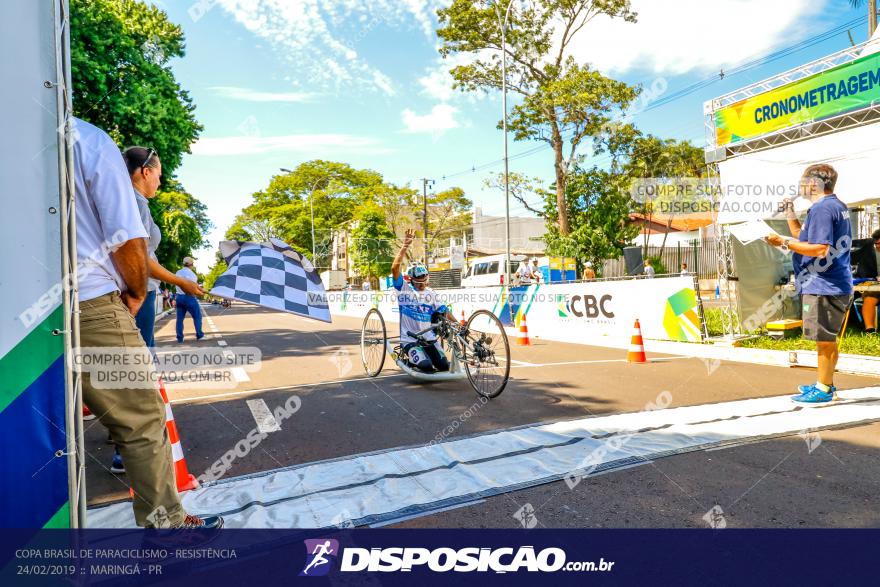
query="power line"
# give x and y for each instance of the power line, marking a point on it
(687, 90)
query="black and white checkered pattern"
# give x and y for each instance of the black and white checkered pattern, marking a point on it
(272, 275)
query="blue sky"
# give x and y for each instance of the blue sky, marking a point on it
(279, 82)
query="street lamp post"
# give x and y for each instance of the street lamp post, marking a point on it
(311, 214)
(503, 25)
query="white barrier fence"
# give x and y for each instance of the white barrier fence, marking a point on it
(666, 308)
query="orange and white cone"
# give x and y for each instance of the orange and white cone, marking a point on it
(636, 352)
(185, 480)
(463, 321)
(523, 338)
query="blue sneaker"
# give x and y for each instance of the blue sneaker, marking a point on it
(806, 388)
(117, 468)
(814, 396)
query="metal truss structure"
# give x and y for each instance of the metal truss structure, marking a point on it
(803, 130)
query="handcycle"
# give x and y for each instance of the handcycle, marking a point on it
(477, 351)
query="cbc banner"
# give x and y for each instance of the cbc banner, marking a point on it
(596, 311)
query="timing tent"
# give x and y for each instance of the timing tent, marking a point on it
(763, 136)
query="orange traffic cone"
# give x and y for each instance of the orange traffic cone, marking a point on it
(463, 321)
(185, 479)
(523, 338)
(636, 352)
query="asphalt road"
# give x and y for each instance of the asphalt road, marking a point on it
(777, 483)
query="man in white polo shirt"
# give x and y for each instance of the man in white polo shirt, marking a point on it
(112, 284)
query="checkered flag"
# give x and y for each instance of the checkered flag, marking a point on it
(272, 275)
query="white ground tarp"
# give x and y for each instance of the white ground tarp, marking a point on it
(387, 485)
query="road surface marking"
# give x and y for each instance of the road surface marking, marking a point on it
(221, 342)
(266, 422)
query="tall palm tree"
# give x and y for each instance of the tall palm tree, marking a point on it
(872, 13)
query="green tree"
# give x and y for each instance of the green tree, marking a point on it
(664, 161)
(561, 102)
(284, 209)
(183, 221)
(371, 247)
(123, 83)
(120, 53)
(216, 271)
(448, 215)
(599, 205)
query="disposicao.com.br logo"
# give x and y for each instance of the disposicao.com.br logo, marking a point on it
(463, 560)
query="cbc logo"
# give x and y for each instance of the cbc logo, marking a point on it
(592, 306)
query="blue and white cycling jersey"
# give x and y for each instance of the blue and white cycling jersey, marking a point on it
(416, 308)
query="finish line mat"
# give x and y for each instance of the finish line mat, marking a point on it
(390, 484)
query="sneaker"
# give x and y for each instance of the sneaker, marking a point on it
(191, 522)
(116, 467)
(814, 396)
(179, 340)
(87, 413)
(806, 388)
(200, 337)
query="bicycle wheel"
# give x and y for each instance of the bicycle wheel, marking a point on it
(486, 354)
(373, 339)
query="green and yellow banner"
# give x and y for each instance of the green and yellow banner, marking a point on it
(835, 91)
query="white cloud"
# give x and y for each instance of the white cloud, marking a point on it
(249, 95)
(679, 36)
(320, 37)
(439, 120)
(297, 143)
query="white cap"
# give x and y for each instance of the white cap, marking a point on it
(589, 263)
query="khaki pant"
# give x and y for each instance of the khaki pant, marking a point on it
(135, 417)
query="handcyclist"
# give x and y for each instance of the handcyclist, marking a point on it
(418, 306)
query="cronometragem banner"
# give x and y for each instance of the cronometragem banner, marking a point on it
(835, 91)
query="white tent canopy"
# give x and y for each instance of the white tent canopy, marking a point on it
(854, 153)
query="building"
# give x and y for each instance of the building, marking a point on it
(526, 234)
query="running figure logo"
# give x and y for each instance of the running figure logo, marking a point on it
(319, 553)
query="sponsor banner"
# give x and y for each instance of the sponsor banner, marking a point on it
(33, 464)
(723, 556)
(666, 308)
(835, 91)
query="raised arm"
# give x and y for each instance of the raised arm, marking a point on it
(407, 241)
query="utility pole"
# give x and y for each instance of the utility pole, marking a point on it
(425, 184)
(502, 24)
(872, 17)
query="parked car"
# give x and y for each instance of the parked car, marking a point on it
(488, 270)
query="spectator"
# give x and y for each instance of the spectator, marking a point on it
(826, 287)
(649, 269)
(111, 291)
(589, 273)
(869, 266)
(188, 303)
(684, 269)
(523, 274)
(365, 286)
(145, 172)
(537, 276)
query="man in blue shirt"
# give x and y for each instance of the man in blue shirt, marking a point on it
(821, 260)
